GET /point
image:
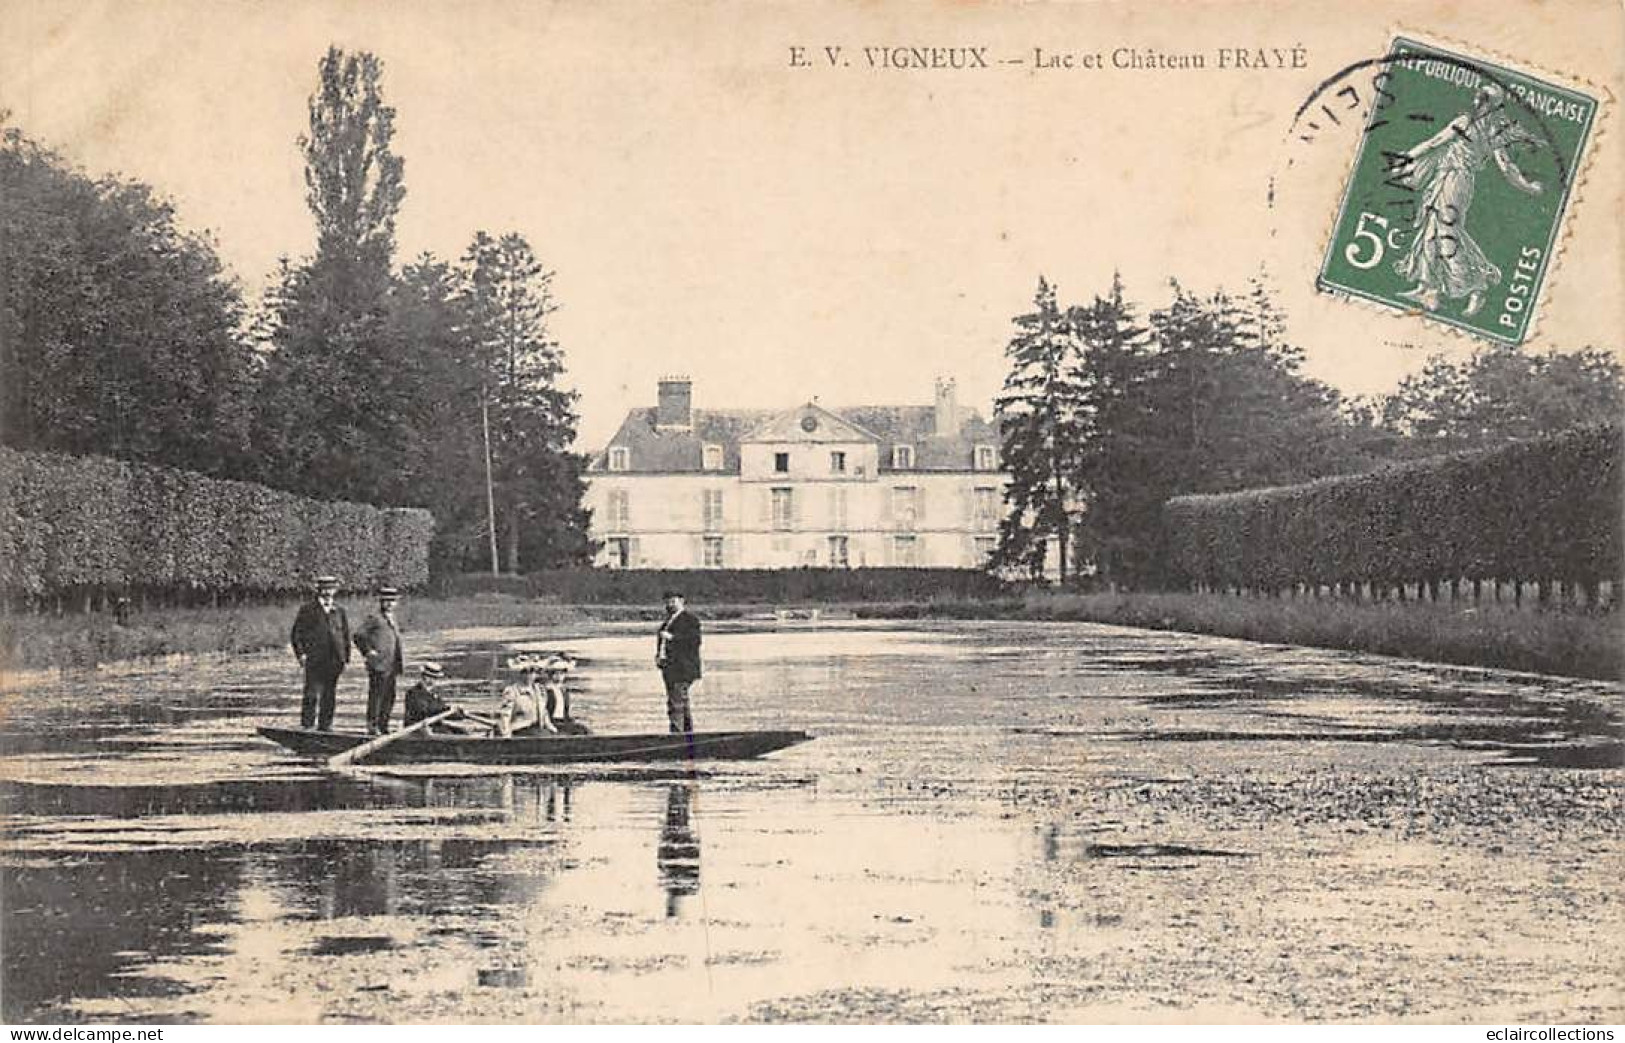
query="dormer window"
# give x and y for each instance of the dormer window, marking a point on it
(711, 458)
(620, 458)
(985, 458)
(902, 457)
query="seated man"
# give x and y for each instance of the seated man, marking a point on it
(422, 701)
(524, 706)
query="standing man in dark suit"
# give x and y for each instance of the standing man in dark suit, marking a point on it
(677, 654)
(379, 640)
(321, 643)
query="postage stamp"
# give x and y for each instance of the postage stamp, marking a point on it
(1457, 195)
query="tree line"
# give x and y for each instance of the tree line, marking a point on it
(1106, 415)
(87, 530)
(1545, 511)
(354, 378)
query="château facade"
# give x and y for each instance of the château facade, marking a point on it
(899, 486)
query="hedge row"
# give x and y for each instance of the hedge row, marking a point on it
(73, 524)
(732, 586)
(1531, 511)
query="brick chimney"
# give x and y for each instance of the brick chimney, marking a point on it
(946, 419)
(676, 404)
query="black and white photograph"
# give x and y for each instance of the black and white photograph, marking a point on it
(712, 512)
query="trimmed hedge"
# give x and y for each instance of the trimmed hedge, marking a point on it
(77, 524)
(731, 586)
(1534, 511)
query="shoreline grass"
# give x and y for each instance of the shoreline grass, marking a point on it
(29, 642)
(1566, 643)
(1570, 644)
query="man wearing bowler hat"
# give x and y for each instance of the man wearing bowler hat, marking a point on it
(677, 654)
(321, 643)
(379, 640)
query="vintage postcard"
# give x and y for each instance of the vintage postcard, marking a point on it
(798, 511)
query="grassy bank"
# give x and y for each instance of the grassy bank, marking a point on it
(1568, 643)
(1572, 644)
(75, 640)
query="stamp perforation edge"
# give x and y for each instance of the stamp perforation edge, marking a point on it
(1598, 133)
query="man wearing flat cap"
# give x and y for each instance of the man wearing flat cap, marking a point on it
(379, 640)
(677, 654)
(321, 643)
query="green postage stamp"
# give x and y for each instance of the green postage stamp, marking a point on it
(1458, 191)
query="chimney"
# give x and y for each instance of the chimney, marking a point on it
(946, 420)
(676, 408)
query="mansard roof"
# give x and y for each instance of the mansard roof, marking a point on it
(681, 451)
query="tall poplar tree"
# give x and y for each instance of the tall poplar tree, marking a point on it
(333, 390)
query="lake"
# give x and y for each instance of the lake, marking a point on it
(996, 822)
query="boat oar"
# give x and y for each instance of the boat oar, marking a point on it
(367, 749)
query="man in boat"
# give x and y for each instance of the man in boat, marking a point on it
(321, 642)
(677, 654)
(379, 640)
(524, 706)
(422, 701)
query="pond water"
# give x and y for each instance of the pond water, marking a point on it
(996, 822)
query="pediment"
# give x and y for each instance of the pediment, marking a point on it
(809, 423)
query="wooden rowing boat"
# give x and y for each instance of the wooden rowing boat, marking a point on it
(545, 749)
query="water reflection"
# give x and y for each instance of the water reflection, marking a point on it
(677, 858)
(1096, 808)
(82, 927)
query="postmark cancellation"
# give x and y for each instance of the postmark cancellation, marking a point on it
(1455, 203)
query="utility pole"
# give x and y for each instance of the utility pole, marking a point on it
(490, 491)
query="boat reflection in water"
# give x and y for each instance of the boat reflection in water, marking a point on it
(678, 856)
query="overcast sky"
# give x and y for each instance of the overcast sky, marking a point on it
(782, 233)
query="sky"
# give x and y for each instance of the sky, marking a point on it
(785, 225)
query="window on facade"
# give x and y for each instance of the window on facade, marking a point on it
(620, 509)
(838, 557)
(783, 510)
(781, 463)
(902, 457)
(620, 553)
(712, 558)
(985, 458)
(711, 458)
(986, 506)
(837, 462)
(620, 458)
(905, 551)
(837, 508)
(711, 509)
(905, 504)
(985, 546)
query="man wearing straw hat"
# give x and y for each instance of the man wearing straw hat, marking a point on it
(321, 643)
(379, 640)
(423, 701)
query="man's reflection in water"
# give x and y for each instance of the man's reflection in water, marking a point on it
(678, 856)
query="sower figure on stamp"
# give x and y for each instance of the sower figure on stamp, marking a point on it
(379, 640)
(677, 654)
(1444, 260)
(321, 643)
